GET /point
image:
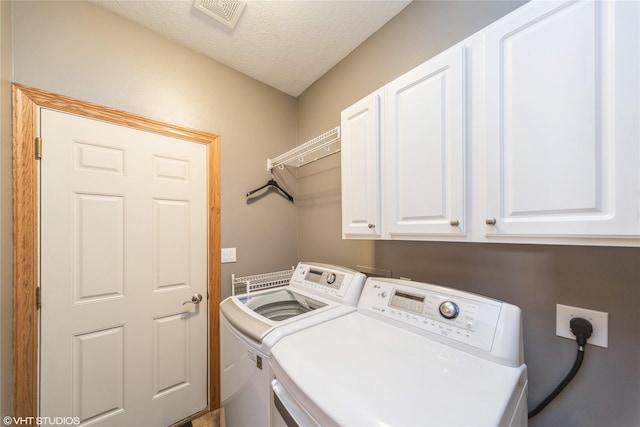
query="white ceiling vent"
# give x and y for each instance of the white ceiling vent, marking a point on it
(225, 11)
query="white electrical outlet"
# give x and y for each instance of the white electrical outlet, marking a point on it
(228, 255)
(598, 319)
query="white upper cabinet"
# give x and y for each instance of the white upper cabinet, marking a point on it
(361, 204)
(526, 132)
(424, 149)
(561, 114)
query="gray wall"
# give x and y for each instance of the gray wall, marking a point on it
(78, 49)
(422, 30)
(81, 50)
(606, 391)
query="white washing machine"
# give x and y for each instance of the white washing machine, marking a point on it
(413, 354)
(251, 324)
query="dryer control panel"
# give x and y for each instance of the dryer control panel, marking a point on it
(450, 314)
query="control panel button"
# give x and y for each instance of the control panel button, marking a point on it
(449, 310)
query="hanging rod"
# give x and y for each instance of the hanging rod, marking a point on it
(315, 149)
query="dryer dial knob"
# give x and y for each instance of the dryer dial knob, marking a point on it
(449, 310)
(331, 278)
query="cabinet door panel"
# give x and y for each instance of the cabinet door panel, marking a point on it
(360, 123)
(424, 148)
(558, 155)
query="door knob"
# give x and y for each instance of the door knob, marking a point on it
(194, 300)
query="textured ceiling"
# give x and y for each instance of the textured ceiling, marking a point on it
(287, 44)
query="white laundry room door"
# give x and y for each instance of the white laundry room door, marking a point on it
(123, 245)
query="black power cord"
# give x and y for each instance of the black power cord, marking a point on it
(582, 329)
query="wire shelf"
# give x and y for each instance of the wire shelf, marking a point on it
(258, 282)
(319, 147)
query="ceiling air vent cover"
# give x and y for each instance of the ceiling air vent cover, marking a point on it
(225, 11)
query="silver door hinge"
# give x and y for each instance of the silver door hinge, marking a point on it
(38, 147)
(38, 298)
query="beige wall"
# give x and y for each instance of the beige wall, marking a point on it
(6, 241)
(606, 391)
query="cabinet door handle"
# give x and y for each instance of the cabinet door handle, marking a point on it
(454, 223)
(490, 221)
(371, 225)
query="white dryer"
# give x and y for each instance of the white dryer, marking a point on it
(413, 354)
(251, 324)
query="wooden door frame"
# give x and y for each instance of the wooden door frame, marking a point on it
(26, 102)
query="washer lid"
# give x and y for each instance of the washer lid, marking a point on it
(356, 370)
